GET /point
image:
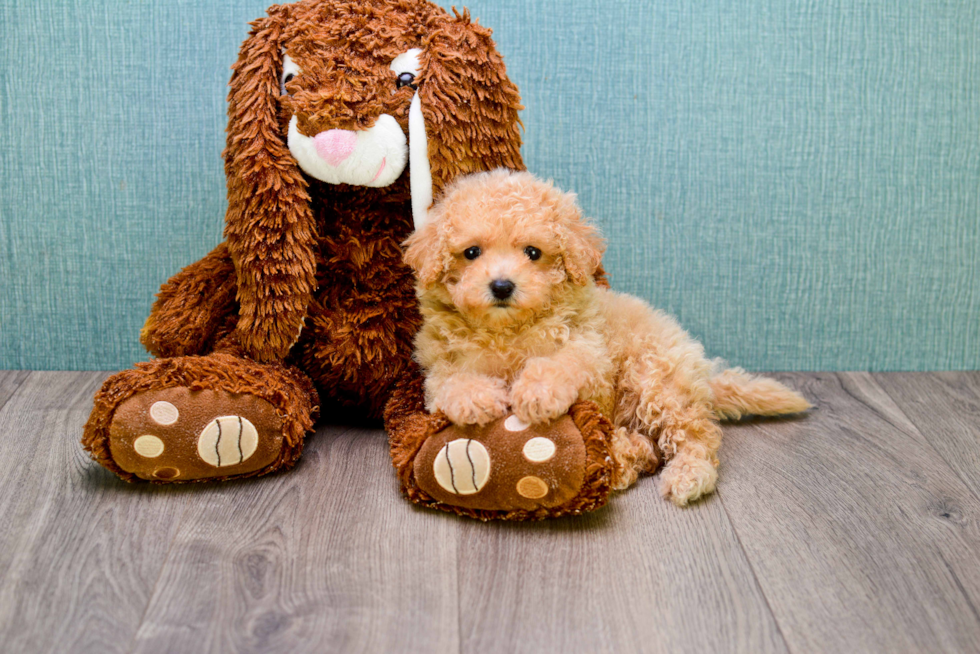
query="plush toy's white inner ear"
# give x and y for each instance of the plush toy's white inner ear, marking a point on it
(407, 62)
(418, 143)
(289, 71)
(418, 161)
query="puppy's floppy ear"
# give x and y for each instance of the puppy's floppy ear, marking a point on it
(583, 245)
(468, 103)
(269, 226)
(425, 253)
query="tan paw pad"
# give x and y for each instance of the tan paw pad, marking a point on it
(149, 446)
(227, 441)
(164, 413)
(532, 488)
(539, 449)
(166, 473)
(462, 467)
(513, 423)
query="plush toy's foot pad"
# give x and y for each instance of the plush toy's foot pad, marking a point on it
(514, 471)
(176, 434)
(200, 418)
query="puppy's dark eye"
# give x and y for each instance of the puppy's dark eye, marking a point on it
(471, 253)
(532, 253)
(287, 78)
(406, 79)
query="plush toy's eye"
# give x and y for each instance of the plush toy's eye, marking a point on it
(406, 68)
(405, 79)
(532, 253)
(472, 252)
(289, 71)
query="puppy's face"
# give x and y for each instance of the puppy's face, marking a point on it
(503, 247)
(504, 267)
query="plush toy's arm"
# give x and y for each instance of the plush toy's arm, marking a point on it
(191, 307)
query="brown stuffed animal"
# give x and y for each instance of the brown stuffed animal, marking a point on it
(346, 118)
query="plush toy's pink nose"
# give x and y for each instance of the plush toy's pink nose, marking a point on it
(335, 145)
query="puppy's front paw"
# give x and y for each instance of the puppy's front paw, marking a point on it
(686, 478)
(473, 400)
(539, 396)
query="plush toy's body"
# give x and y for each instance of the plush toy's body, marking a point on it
(345, 119)
(356, 339)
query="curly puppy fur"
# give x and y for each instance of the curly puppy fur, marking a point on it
(557, 338)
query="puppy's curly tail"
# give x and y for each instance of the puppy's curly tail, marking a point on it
(737, 394)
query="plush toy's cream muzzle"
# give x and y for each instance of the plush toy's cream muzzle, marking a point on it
(374, 157)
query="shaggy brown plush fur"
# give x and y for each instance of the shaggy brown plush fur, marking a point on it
(192, 307)
(285, 235)
(310, 281)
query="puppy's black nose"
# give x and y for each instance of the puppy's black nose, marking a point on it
(502, 288)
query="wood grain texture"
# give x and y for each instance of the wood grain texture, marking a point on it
(638, 576)
(861, 536)
(945, 408)
(325, 558)
(10, 381)
(854, 529)
(80, 552)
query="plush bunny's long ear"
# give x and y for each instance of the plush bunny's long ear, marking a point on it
(269, 226)
(468, 104)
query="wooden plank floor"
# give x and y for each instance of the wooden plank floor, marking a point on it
(854, 529)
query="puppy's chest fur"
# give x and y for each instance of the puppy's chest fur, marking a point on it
(502, 351)
(495, 351)
(620, 331)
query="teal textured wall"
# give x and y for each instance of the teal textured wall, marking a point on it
(798, 182)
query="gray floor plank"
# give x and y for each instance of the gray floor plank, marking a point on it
(10, 380)
(863, 539)
(80, 551)
(327, 557)
(945, 408)
(638, 576)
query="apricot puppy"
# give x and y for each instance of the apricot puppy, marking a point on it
(514, 322)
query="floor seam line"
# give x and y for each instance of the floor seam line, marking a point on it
(755, 576)
(156, 582)
(459, 612)
(17, 388)
(919, 431)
